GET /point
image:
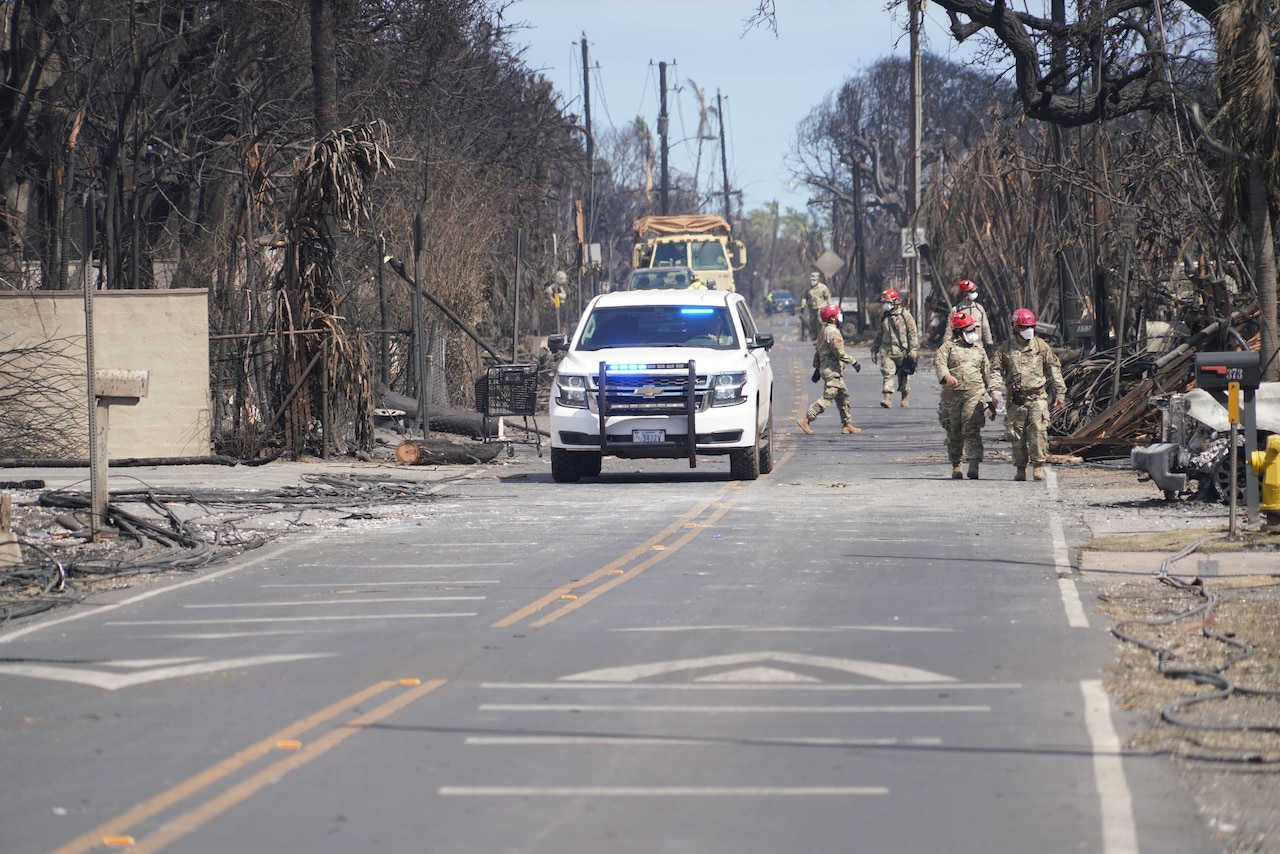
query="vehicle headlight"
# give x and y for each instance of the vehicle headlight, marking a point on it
(571, 390)
(727, 388)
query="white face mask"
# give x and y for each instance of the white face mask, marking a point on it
(888, 306)
(1028, 333)
(972, 337)
(972, 296)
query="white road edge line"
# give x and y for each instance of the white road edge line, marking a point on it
(1076, 617)
(1119, 832)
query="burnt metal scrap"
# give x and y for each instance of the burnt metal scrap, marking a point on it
(1105, 418)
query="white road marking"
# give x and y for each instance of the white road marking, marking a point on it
(114, 681)
(377, 566)
(1076, 617)
(764, 629)
(869, 669)
(1119, 833)
(35, 627)
(703, 686)
(365, 584)
(719, 710)
(338, 602)
(234, 621)
(658, 791)
(733, 741)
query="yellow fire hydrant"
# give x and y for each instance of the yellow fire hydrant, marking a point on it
(1266, 464)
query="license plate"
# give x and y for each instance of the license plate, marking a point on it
(648, 436)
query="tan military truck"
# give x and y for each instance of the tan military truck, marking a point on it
(701, 242)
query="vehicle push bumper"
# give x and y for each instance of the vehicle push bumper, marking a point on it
(652, 411)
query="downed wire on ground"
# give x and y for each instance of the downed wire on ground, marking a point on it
(1204, 614)
(59, 569)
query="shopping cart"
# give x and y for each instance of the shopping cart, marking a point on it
(506, 391)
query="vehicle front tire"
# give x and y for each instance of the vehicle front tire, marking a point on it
(766, 448)
(565, 466)
(744, 463)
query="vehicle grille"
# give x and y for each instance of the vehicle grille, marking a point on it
(650, 394)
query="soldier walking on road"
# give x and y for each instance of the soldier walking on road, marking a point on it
(829, 359)
(1032, 376)
(895, 348)
(815, 298)
(964, 370)
(968, 304)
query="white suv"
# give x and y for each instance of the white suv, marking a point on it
(658, 367)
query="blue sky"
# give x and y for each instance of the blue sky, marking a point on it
(769, 84)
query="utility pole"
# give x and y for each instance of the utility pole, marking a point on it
(588, 231)
(859, 257)
(662, 135)
(913, 189)
(724, 159)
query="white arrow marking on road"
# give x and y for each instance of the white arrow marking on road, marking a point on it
(114, 681)
(771, 675)
(869, 669)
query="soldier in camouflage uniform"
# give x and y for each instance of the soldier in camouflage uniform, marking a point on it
(896, 339)
(829, 359)
(1032, 375)
(968, 304)
(815, 298)
(965, 373)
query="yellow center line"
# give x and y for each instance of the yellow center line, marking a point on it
(604, 571)
(211, 775)
(639, 568)
(214, 807)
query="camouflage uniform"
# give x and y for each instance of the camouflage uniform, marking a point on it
(962, 411)
(895, 339)
(815, 298)
(1032, 375)
(829, 357)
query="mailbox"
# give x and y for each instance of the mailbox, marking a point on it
(1218, 370)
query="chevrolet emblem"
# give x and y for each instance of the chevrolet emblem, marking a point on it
(647, 391)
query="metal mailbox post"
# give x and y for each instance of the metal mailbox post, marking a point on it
(1217, 373)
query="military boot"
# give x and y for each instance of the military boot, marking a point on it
(849, 428)
(972, 474)
(1038, 472)
(803, 421)
(905, 403)
(956, 474)
(1021, 473)
(887, 400)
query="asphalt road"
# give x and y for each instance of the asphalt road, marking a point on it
(854, 653)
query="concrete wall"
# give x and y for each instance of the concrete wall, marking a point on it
(165, 332)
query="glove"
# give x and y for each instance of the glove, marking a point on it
(857, 369)
(817, 375)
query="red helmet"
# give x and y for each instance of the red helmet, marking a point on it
(966, 286)
(960, 320)
(1024, 317)
(889, 295)
(827, 312)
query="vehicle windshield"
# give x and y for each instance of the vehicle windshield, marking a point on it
(777, 295)
(659, 278)
(659, 326)
(708, 255)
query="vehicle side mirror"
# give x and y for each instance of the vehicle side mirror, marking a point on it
(558, 343)
(762, 340)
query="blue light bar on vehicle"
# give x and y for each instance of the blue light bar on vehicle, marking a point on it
(697, 311)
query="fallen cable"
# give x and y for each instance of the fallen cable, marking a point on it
(1224, 687)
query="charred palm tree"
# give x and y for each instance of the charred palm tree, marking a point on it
(331, 190)
(1246, 131)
